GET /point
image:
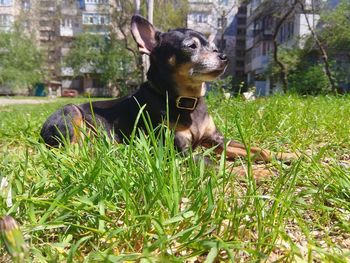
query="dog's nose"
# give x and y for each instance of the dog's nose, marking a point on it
(222, 56)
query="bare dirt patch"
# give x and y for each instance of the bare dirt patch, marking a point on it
(10, 101)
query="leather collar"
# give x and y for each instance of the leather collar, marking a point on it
(186, 103)
(181, 102)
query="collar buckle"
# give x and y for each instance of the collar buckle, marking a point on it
(186, 103)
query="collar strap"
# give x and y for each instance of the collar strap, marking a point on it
(186, 103)
(181, 102)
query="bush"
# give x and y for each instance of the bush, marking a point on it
(310, 81)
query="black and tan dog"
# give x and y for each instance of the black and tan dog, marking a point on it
(181, 60)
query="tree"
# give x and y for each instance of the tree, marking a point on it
(106, 56)
(281, 11)
(335, 32)
(21, 62)
(118, 67)
(86, 54)
(334, 35)
(319, 44)
(176, 14)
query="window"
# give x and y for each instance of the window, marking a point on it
(241, 32)
(241, 20)
(286, 32)
(240, 53)
(221, 44)
(266, 48)
(66, 22)
(240, 73)
(240, 43)
(290, 29)
(242, 10)
(25, 4)
(240, 63)
(222, 22)
(97, 2)
(200, 17)
(268, 22)
(5, 20)
(223, 2)
(26, 24)
(95, 19)
(5, 2)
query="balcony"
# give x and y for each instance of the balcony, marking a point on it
(66, 31)
(260, 62)
(46, 29)
(44, 38)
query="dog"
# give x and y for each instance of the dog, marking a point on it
(181, 61)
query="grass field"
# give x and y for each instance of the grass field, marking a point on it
(144, 202)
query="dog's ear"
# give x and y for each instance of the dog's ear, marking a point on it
(144, 34)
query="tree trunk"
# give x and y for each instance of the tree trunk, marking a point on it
(150, 4)
(283, 69)
(137, 6)
(145, 58)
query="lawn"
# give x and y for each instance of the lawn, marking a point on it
(99, 201)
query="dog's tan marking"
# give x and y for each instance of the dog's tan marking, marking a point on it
(209, 127)
(77, 123)
(259, 172)
(187, 86)
(172, 61)
(177, 126)
(186, 135)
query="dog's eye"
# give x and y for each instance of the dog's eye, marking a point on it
(193, 46)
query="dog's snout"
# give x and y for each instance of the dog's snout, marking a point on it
(222, 56)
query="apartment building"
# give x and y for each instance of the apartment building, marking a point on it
(222, 21)
(261, 21)
(56, 23)
(89, 16)
(79, 16)
(8, 12)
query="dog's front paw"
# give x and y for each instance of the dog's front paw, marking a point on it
(287, 157)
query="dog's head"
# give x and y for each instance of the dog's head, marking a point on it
(184, 54)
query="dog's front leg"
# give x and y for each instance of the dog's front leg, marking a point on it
(183, 140)
(235, 149)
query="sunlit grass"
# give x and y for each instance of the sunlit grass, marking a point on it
(99, 201)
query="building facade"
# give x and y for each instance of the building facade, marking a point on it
(261, 23)
(77, 17)
(222, 21)
(83, 16)
(56, 23)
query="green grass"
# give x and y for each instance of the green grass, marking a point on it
(100, 201)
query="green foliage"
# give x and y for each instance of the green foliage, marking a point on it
(176, 14)
(290, 57)
(224, 84)
(86, 54)
(335, 32)
(92, 53)
(167, 14)
(118, 67)
(21, 62)
(305, 74)
(310, 80)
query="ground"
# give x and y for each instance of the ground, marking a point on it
(21, 101)
(98, 201)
